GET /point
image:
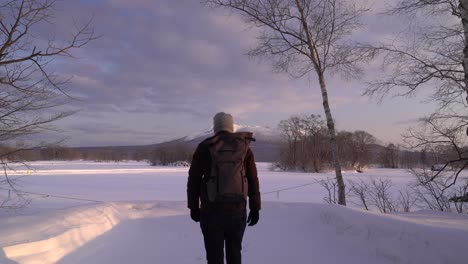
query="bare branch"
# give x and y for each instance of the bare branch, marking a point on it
(29, 88)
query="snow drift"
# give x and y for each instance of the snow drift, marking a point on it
(162, 232)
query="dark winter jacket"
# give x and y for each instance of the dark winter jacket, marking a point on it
(199, 172)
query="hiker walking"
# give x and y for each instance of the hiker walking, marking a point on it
(221, 176)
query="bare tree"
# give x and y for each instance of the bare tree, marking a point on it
(345, 148)
(410, 159)
(389, 156)
(171, 155)
(354, 148)
(331, 186)
(431, 55)
(406, 200)
(460, 197)
(316, 138)
(380, 195)
(307, 147)
(302, 36)
(443, 133)
(435, 193)
(30, 89)
(291, 131)
(432, 193)
(361, 190)
(361, 152)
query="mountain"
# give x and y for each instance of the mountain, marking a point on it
(266, 147)
(259, 132)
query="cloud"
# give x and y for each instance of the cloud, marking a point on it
(410, 121)
(165, 61)
(109, 128)
(172, 57)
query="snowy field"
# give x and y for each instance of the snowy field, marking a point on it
(140, 216)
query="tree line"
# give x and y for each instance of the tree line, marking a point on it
(171, 154)
(306, 148)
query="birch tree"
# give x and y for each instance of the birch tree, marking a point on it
(303, 36)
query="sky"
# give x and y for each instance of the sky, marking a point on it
(162, 69)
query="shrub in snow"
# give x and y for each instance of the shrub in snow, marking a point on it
(180, 163)
(171, 154)
(331, 186)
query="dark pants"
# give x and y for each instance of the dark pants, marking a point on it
(219, 227)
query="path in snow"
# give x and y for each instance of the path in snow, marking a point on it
(295, 233)
(64, 231)
(172, 239)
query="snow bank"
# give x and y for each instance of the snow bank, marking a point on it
(56, 234)
(46, 238)
(156, 232)
(315, 233)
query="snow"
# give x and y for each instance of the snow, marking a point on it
(260, 132)
(204, 134)
(143, 219)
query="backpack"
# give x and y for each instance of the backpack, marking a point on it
(228, 182)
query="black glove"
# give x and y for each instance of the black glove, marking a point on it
(253, 217)
(195, 215)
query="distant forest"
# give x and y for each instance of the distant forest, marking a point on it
(304, 146)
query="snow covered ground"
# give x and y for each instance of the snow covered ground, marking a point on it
(143, 219)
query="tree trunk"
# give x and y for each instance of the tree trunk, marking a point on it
(334, 146)
(330, 123)
(463, 6)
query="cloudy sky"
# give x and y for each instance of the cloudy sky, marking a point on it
(163, 68)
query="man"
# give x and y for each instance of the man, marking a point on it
(221, 176)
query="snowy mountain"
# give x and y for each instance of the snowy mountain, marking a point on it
(262, 133)
(265, 148)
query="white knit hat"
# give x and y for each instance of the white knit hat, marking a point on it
(223, 122)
